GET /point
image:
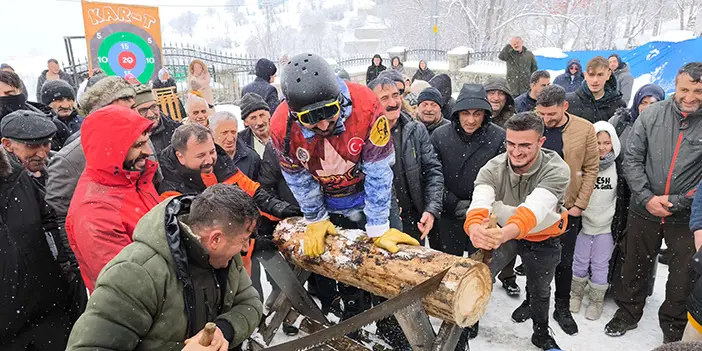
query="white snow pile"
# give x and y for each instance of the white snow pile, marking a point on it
(461, 50)
(674, 36)
(486, 67)
(551, 52)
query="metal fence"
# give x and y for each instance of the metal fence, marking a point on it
(426, 54)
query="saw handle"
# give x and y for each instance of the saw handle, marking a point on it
(208, 335)
(487, 254)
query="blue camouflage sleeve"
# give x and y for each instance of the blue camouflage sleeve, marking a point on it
(303, 186)
(378, 155)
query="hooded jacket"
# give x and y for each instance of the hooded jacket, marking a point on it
(177, 180)
(625, 80)
(373, 71)
(508, 110)
(423, 74)
(33, 291)
(624, 118)
(599, 214)
(461, 156)
(662, 157)
(571, 82)
(582, 103)
(520, 66)
(201, 81)
(161, 290)
(109, 200)
(442, 82)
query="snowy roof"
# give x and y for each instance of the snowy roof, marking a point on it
(550, 52)
(461, 50)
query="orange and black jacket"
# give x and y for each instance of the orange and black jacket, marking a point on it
(177, 180)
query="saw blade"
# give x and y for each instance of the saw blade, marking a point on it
(358, 321)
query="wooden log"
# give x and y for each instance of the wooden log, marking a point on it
(351, 258)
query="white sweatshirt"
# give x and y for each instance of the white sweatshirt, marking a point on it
(597, 218)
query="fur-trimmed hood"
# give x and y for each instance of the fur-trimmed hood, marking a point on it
(5, 164)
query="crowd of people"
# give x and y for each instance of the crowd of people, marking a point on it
(122, 228)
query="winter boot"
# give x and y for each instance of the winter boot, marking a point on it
(577, 290)
(354, 304)
(618, 326)
(473, 331)
(289, 329)
(597, 294)
(522, 313)
(510, 285)
(519, 270)
(542, 337)
(562, 315)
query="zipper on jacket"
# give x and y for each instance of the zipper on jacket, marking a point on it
(672, 166)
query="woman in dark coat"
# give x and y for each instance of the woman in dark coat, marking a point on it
(423, 73)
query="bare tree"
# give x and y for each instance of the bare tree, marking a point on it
(185, 23)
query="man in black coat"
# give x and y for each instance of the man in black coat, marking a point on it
(34, 291)
(53, 72)
(463, 147)
(598, 98)
(375, 68)
(265, 75)
(163, 127)
(61, 98)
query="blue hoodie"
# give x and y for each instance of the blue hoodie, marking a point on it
(570, 82)
(646, 90)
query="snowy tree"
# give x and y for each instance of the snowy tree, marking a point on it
(185, 23)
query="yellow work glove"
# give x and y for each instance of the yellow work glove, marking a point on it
(391, 238)
(314, 237)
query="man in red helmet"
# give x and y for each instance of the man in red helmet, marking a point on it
(335, 149)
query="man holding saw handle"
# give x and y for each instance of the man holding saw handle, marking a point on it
(335, 150)
(525, 188)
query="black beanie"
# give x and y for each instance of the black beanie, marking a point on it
(252, 102)
(265, 69)
(431, 94)
(56, 89)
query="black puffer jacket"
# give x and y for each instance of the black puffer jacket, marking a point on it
(177, 179)
(582, 104)
(33, 291)
(247, 160)
(161, 135)
(373, 71)
(462, 155)
(420, 169)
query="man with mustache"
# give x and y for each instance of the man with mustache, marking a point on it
(114, 191)
(193, 162)
(26, 136)
(60, 97)
(257, 118)
(417, 181)
(663, 169)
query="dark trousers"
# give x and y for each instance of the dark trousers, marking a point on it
(507, 273)
(540, 260)
(641, 245)
(564, 270)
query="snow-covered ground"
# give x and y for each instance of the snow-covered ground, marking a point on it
(499, 333)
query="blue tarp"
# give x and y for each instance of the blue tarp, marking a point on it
(661, 60)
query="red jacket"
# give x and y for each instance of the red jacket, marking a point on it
(108, 201)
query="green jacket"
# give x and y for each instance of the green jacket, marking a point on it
(139, 302)
(520, 66)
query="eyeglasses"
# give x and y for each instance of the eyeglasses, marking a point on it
(318, 114)
(154, 109)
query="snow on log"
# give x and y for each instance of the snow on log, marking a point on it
(351, 258)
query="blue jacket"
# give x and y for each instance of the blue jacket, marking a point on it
(263, 88)
(569, 82)
(696, 215)
(524, 103)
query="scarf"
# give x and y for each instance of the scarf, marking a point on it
(11, 103)
(607, 160)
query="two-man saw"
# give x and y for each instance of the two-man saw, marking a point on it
(354, 323)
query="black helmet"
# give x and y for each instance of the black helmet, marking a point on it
(308, 83)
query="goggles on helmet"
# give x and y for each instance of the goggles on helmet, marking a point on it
(318, 114)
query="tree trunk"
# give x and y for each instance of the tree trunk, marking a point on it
(351, 258)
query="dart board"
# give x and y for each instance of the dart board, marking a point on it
(122, 48)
